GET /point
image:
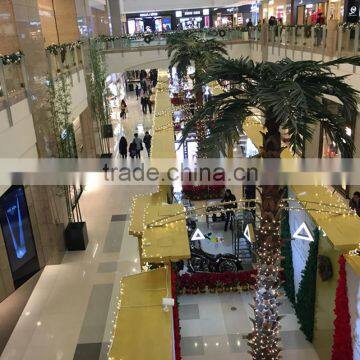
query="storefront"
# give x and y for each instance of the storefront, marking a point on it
(309, 12)
(279, 9)
(193, 19)
(233, 16)
(149, 22)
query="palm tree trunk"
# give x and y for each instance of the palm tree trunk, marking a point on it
(200, 127)
(265, 338)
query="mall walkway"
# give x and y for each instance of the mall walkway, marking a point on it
(70, 312)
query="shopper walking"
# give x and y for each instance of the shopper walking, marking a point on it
(123, 147)
(132, 149)
(229, 196)
(123, 109)
(138, 144)
(147, 142)
(355, 202)
(137, 92)
(143, 102)
(151, 102)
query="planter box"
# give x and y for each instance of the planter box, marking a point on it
(76, 237)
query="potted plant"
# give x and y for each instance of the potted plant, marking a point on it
(75, 234)
(219, 287)
(211, 283)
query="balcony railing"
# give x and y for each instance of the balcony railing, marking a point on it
(331, 40)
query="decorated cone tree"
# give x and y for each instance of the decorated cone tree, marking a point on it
(342, 341)
(305, 299)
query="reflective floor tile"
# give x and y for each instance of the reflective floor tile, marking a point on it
(106, 267)
(122, 217)
(192, 346)
(237, 343)
(189, 312)
(294, 340)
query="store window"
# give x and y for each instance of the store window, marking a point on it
(328, 149)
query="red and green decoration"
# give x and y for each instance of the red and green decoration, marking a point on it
(342, 340)
(14, 58)
(176, 318)
(305, 304)
(286, 252)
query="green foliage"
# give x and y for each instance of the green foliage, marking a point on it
(289, 93)
(305, 299)
(60, 109)
(185, 48)
(99, 92)
(286, 252)
(14, 58)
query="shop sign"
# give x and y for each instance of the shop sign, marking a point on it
(352, 14)
(191, 13)
(149, 14)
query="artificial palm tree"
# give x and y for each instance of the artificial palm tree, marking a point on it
(290, 96)
(186, 48)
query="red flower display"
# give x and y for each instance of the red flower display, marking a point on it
(342, 341)
(189, 282)
(176, 320)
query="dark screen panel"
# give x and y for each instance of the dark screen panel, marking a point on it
(17, 234)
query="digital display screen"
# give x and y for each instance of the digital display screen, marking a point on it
(17, 234)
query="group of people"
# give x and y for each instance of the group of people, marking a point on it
(135, 147)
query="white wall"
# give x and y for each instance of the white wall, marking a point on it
(78, 94)
(353, 284)
(161, 5)
(18, 140)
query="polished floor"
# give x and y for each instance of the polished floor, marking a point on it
(70, 313)
(213, 327)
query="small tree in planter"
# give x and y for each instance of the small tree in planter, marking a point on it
(63, 130)
(99, 94)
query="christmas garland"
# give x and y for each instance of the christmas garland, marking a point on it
(57, 49)
(305, 299)
(286, 252)
(14, 58)
(142, 36)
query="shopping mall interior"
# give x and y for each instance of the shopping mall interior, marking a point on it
(179, 180)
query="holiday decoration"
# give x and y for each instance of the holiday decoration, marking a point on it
(176, 319)
(202, 282)
(14, 58)
(57, 49)
(305, 299)
(286, 253)
(342, 340)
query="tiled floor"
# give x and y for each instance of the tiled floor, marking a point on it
(213, 327)
(70, 312)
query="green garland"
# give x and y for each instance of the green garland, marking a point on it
(305, 299)
(57, 49)
(286, 252)
(220, 31)
(14, 58)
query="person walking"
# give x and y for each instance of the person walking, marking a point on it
(138, 144)
(143, 102)
(137, 92)
(123, 147)
(229, 196)
(123, 109)
(150, 102)
(147, 142)
(355, 202)
(132, 149)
